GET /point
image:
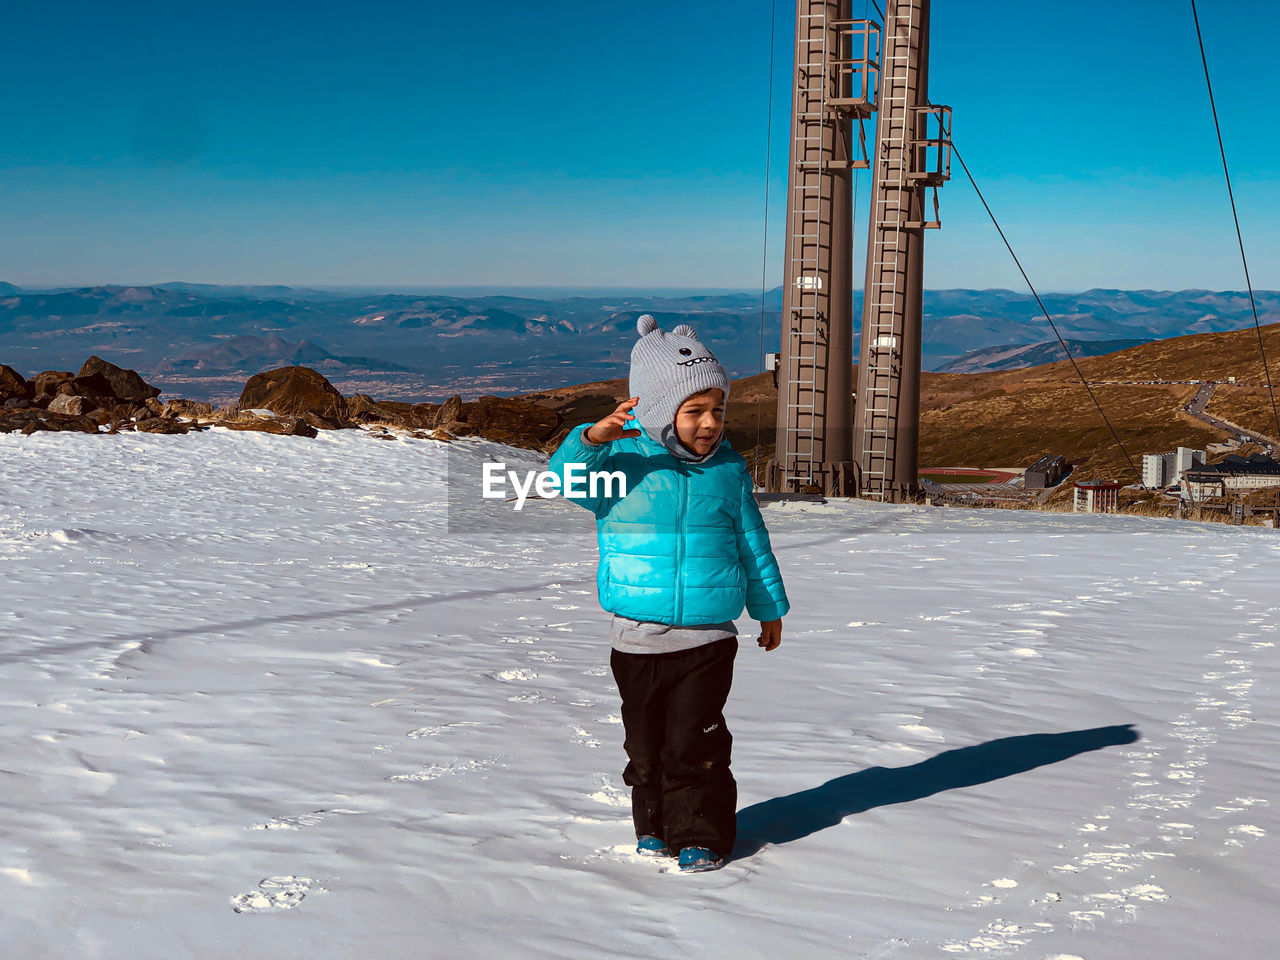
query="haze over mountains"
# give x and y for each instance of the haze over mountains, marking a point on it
(202, 340)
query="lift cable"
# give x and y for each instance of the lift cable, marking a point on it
(1053, 325)
(764, 256)
(1239, 237)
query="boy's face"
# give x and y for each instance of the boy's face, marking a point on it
(700, 420)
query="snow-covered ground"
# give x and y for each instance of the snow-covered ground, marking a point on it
(258, 700)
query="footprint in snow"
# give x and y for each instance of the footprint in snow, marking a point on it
(301, 820)
(534, 697)
(435, 731)
(435, 771)
(582, 738)
(514, 673)
(275, 893)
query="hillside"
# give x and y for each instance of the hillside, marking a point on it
(1014, 356)
(1013, 417)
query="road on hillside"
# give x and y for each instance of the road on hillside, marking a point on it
(1196, 408)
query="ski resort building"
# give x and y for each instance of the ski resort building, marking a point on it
(1232, 474)
(1045, 472)
(1096, 496)
(1160, 470)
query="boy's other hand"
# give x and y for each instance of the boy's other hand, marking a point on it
(770, 634)
(615, 425)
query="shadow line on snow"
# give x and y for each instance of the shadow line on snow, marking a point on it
(802, 814)
(308, 616)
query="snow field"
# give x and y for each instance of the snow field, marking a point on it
(260, 700)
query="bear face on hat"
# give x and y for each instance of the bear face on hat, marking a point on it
(666, 369)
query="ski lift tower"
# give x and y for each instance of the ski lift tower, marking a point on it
(840, 63)
(913, 156)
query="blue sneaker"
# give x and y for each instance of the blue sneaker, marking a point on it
(698, 859)
(648, 846)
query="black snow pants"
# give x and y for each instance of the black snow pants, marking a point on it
(678, 745)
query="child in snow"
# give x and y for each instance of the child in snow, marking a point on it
(680, 556)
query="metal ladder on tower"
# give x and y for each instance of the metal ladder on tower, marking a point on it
(810, 251)
(889, 258)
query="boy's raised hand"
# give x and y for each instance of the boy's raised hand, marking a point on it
(770, 634)
(615, 425)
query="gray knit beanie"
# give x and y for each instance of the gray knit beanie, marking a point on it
(667, 369)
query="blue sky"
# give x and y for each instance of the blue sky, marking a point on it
(602, 145)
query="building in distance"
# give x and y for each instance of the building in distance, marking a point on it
(1232, 474)
(1160, 470)
(1045, 472)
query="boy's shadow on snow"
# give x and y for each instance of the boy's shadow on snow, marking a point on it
(797, 815)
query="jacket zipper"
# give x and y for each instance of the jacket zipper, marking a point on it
(684, 495)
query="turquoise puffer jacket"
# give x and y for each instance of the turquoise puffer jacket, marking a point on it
(687, 544)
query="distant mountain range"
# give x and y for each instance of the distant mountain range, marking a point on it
(197, 340)
(248, 352)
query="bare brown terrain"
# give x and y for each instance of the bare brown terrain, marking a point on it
(1014, 417)
(1250, 407)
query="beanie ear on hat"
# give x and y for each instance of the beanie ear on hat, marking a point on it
(666, 369)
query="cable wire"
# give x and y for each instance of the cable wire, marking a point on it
(1053, 325)
(764, 256)
(1236, 217)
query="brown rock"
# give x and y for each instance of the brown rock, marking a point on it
(449, 412)
(95, 388)
(326, 423)
(67, 403)
(187, 408)
(161, 425)
(29, 421)
(507, 420)
(14, 385)
(125, 384)
(45, 385)
(284, 426)
(395, 413)
(295, 391)
(362, 408)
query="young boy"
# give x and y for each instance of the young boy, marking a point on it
(680, 556)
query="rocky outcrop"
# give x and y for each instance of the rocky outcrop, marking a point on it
(101, 395)
(13, 385)
(283, 426)
(120, 383)
(297, 392)
(45, 385)
(186, 408)
(410, 416)
(289, 401)
(162, 425)
(30, 420)
(519, 423)
(94, 388)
